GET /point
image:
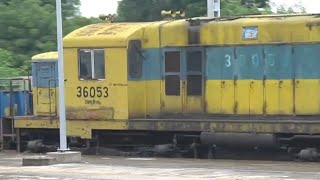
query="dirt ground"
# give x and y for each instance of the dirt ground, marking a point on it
(106, 167)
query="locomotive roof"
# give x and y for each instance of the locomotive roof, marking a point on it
(103, 34)
(46, 56)
(117, 34)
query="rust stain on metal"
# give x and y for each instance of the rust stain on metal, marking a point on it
(225, 126)
(90, 114)
(105, 29)
(89, 30)
(312, 24)
(113, 30)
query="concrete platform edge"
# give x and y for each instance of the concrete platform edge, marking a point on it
(66, 157)
(53, 158)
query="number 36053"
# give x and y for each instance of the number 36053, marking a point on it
(92, 92)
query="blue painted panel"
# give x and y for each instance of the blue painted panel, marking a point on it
(247, 63)
(228, 63)
(20, 99)
(307, 61)
(152, 65)
(250, 62)
(213, 67)
(42, 72)
(220, 63)
(278, 62)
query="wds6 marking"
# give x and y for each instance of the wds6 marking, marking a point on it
(92, 92)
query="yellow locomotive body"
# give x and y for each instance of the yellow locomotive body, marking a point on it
(252, 74)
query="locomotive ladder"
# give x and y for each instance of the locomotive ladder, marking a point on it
(7, 130)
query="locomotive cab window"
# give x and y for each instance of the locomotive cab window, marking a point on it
(194, 73)
(135, 60)
(172, 73)
(91, 64)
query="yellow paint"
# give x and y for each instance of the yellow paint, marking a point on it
(272, 97)
(45, 101)
(307, 97)
(243, 97)
(276, 97)
(144, 99)
(75, 128)
(153, 92)
(182, 103)
(103, 35)
(227, 97)
(45, 56)
(171, 104)
(289, 29)
(286, 99)
(213, 96)
(220, 96)
(7, 110)
(256, 97)
(279, 97)
(137, 99)
(174, 33)
(193, 105)
(116, 82)
(151, 35)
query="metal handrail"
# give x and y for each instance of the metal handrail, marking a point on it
(49, 94)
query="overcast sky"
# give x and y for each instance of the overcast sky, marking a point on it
(96, 7)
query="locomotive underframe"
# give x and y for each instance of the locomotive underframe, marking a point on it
(293, 134)
(83, 128)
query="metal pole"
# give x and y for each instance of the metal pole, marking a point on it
(62, 111)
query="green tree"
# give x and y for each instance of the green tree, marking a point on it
(28, 27)
(298, 8)
(140, 10)
(70, 8)
(244, 7)
(77, 22)
(26, 31)
(6, 62)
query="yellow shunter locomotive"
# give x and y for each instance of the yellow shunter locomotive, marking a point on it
(250, 81)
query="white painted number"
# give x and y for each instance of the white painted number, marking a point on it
(228, 60)
(255, 60)
(271, 59)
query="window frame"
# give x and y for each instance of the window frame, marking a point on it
(171, 73)
(92, 61)
(138, 59)
(195, 72)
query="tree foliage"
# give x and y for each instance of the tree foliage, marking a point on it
(6, 62)
(298, 8)
(28, 27)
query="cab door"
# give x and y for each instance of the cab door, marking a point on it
(183, 81)
(46, 88)
(193, 81)
(172, 93)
